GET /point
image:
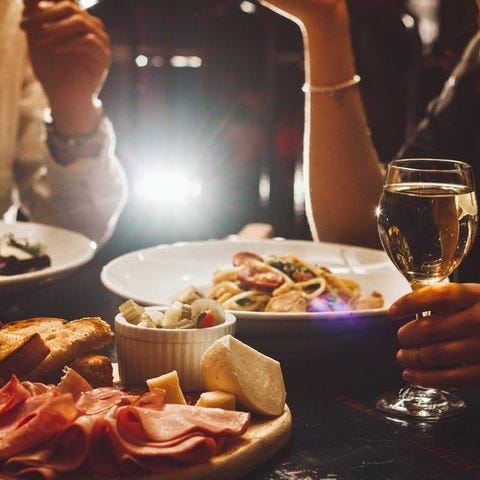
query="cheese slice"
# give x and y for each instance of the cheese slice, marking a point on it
(171, 384)
(217, 399)
(255, 379)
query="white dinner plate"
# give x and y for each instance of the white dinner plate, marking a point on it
(153, 276)
(68, 251)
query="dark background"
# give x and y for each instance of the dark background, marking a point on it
(238, 118)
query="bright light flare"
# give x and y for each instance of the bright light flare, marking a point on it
(248, 7)
(141, 61)
(186, 61)
(298, 190)
(167, 188)
(87, 3)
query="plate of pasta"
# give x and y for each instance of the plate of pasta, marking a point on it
(262, 281)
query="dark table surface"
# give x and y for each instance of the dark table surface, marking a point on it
(332, 381)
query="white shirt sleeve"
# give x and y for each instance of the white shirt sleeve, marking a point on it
(86, 195)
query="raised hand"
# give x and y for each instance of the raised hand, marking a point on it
(443, 349)
(70, 54)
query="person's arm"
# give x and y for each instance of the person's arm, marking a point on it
(77, 183)
(70, 54)
(440, 350)
(87, 195)
(343, 174)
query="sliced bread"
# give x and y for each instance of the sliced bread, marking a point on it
(20, 354)
(96, 369)
(22, 344)
(41, 325)
(66, 344)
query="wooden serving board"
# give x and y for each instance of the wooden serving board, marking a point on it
(263, 440)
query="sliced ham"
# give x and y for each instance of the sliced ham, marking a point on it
(65, 453)
(111, 450)
(37, 388)
(73, 383)
(174, 421)
(40, 425)
(102, 400)
(153, 399)
(11, 394)
(14, 417)
(47, 431)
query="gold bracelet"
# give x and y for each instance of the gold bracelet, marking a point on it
(307, 88)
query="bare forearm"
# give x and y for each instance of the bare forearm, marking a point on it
(342, 171)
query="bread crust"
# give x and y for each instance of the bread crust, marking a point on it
(23, 346)
(19, 355)
(37, 349)
(96, 369)
(67, 344)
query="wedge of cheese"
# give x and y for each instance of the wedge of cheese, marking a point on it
(171, 384)
(217, 399)
(255, 379)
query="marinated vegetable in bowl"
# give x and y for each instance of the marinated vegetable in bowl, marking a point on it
(201, 313)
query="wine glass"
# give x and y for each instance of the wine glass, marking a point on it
(427, 222)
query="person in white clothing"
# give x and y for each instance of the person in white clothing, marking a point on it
(57, 160)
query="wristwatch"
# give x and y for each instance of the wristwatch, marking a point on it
(66, 149)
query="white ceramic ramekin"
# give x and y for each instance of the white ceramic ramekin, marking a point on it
(144, 353)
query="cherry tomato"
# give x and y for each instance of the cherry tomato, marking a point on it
(208, 305)
(258, 275)
(241, 258)
(207, 320)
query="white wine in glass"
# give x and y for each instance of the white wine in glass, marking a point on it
(427, 221)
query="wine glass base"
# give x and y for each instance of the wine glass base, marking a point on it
(423, 404)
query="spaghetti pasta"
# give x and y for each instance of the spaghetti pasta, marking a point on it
(285, 283)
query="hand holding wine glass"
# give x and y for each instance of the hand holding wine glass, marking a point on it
(427, 221)
(449, 339)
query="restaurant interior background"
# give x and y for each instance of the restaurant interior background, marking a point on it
(206, 100)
